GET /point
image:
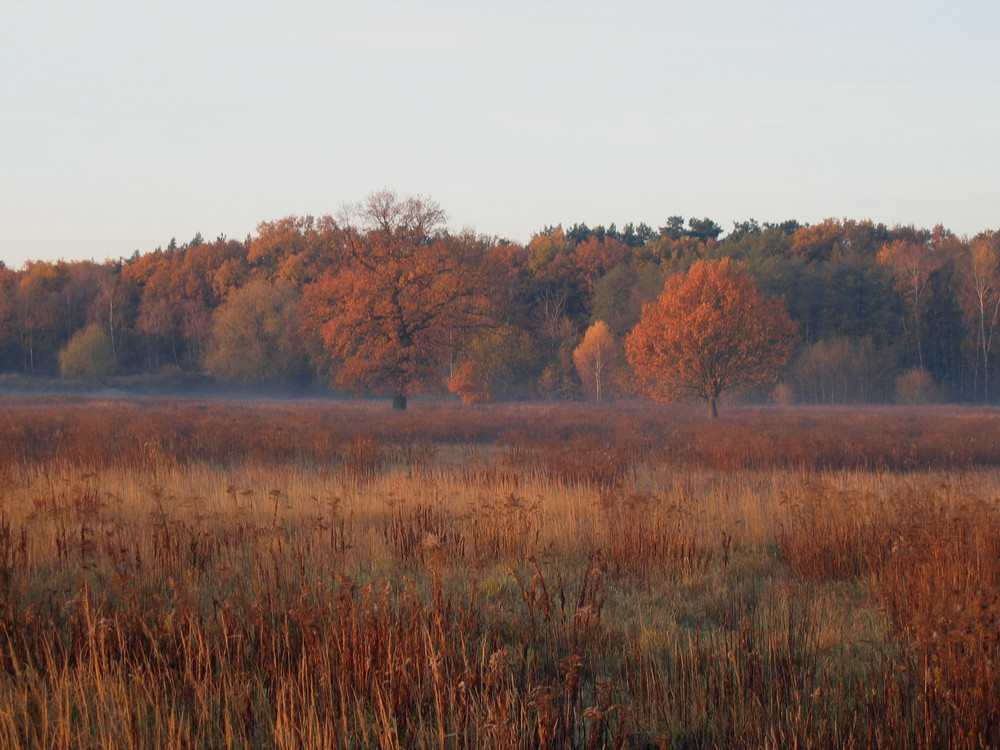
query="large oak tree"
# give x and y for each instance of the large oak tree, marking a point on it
(708, 332)
(403, 294)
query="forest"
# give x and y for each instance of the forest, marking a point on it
(883, 313)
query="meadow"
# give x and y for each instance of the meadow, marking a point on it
(188, 574)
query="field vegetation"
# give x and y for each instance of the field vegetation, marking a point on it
(185, 574)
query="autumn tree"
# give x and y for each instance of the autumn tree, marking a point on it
(817, 242)
(595, 257)
(469, 383)
(546, 248)
(39, 314)
(88, 355)
(979, 295)
(597, 359)
(492, 364)
(620, 293)
(77, 291)
(149, 279)
(197, 290)
(403, 291)
(9, 333)
(254, 337)
(295, 249)
(708, 332)
(107, 306)
(913, 262)
(179, 289)
(916, 386)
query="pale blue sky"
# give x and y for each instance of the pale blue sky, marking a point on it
(123, 124)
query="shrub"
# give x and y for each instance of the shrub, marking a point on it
(88, 355)
(916, 386)
(783, 394)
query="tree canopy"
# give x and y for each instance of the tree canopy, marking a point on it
(255, 336)
(389, 300)
(597, 360)
(405, 292)
(88, 355)
(709, 331)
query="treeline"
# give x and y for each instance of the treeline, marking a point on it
(883, 312)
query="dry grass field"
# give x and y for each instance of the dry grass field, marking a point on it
(195, 575)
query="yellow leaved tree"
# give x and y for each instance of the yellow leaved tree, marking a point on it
(597, 360)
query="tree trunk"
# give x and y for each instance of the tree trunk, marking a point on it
(713, 407)
(399, 402)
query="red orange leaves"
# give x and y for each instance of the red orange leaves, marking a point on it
(708, 332)
(404, 291)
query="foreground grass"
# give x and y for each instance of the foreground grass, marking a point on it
(489, 583)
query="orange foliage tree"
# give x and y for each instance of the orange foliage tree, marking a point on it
(38, 308)
(594, 257)
(403, 295)
(179, 289)
(709, 331)
(294, 250)
(469, 383)
(818, 241)
(597, 359)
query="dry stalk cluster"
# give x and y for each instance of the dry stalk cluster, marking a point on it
(201, 575)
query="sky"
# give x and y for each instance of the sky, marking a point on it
(126, 124)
